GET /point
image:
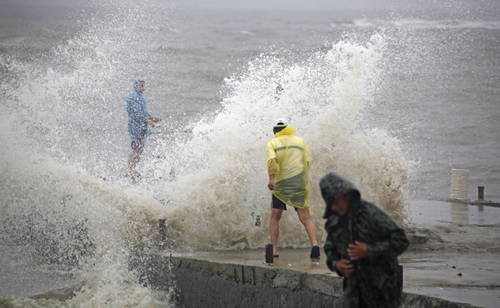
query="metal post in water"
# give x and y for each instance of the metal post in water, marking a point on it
(480, 193)
(163, 236)
(269, 253)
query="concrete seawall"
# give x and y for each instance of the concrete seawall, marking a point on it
(202, 283)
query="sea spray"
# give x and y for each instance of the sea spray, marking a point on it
(65, 207)
(223, 178)
(82, 225)
(64, 193)
(68, 100)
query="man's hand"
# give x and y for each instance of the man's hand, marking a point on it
(357, 250)
(270, 185)
(152, 120)
(345, 267)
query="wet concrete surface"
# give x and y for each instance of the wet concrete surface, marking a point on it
(460, 263)
(448, 276)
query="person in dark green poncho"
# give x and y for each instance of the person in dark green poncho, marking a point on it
(362, 245)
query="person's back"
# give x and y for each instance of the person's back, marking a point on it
(291, 155)
(293, 160)
(288, 165)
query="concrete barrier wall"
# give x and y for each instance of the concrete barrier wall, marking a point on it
(208, 284)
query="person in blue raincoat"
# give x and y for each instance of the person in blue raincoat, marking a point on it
(139, 120)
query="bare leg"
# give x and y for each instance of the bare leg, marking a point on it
(305, 219)
(274, 228)
(133, 159)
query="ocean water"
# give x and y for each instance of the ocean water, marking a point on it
(393, 99)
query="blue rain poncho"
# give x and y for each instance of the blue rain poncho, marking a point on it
(136, 109)
(289, 159)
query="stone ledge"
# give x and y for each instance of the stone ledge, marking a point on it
(202, 283)
(264, 275)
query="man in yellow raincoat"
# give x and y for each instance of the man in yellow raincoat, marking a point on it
(288, 163)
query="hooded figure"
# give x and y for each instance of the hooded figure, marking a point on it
(289, 160)
(374, 278)
(139, 121)
(288, 163)
(136, 109)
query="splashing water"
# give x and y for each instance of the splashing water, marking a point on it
(64, 132)
(224, 175)
(61, 112)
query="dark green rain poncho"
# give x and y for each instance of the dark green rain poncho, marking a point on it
(376, 280)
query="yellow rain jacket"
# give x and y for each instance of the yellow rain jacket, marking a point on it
(289, 159)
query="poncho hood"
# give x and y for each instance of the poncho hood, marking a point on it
(289, 130)
(333, 186)
(136, 82)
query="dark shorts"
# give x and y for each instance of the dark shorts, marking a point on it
(278, 204)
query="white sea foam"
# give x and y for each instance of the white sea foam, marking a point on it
(62, 215)
(58, 135)
(207, 184)
(220, 171)
(223, 176)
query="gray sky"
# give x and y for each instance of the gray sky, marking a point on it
(321, 5)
